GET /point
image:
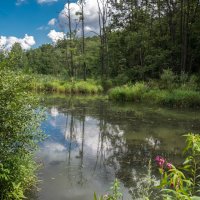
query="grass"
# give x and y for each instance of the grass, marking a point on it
(141, 92)
(49, 84)
(128, 93)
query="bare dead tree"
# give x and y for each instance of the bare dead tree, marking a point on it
(81, 4)
(103, 7)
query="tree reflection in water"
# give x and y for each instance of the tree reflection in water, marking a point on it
(95, 141)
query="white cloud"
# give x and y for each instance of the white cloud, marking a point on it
(46, 1)
(52, 22)
(55, 36)
(19, 2)
(42, 28)
(6, 43)
(90, 13)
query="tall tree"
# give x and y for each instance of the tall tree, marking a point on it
(82, 3)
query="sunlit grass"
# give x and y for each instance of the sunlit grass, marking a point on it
(49, 84)
(142, 93)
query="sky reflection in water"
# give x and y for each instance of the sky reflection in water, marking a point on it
(91, 142)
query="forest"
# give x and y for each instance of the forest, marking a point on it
(137, 41)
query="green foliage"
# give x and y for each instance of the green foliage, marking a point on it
(171, 95)
(59, 85)
(128, 93)
(142, 39)
(167, 79)
(115, 193)
(183, 183)
(19, 134)
(107, 84)
(145, 186)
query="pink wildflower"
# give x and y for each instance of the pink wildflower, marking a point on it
(169, 166)
(160, 161)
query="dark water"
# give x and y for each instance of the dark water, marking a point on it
(92, 141)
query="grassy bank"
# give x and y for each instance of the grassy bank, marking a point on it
(56, 85)
(141, 92)
(170, 89)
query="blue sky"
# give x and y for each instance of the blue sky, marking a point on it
(27, 21)
(18, 18)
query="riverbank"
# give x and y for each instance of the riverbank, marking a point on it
(170, 89)
(141, 92)
(58, 85)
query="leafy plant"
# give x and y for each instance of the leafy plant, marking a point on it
(19, 135)
(145, 186)
(115, 193)
(167, 79)
(183, 183)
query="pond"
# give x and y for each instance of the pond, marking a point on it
(92, 141)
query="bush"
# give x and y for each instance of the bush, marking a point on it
(128, 93)
(107, 84)
(19, 134)
(167, 79)
(156, 96)
(186, 98)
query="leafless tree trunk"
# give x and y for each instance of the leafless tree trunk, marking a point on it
(82, 17)
(70, 40)
(103, 19)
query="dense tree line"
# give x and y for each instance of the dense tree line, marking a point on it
(137, 40)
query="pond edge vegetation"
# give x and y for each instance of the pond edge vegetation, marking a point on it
(20, 134)
(169, 89)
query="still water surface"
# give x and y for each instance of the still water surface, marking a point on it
(92, 141)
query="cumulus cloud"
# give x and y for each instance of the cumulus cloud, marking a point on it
(91, 16)
(26, 43)
(46, 1)
(52, 22)
(55, 36)
(90, 13)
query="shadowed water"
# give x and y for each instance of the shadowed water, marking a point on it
(92, 141)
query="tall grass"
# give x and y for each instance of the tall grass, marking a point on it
(141, 92)
(170, 89)
(128, 93)
(49, 84)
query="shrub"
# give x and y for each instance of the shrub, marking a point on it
(128, 93)
(167, 79)
(19, 134)
(156, 96)
(184, 98)
(107, 84)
